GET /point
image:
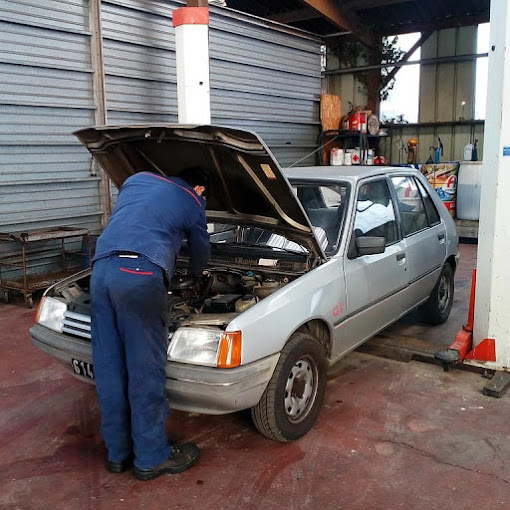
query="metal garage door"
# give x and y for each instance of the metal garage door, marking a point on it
(45, 93)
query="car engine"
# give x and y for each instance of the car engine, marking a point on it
(212, 299)
(217, 296)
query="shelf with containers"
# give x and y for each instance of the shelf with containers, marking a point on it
(345, 139)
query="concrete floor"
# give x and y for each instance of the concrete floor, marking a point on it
(391, 435)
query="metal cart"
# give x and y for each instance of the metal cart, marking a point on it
(28, 246)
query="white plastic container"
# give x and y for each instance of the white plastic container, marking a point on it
(336, 156)
(468, 190)
(370, 156)
(468, 152)
(348, 158)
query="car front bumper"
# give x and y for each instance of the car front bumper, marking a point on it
(190, 388)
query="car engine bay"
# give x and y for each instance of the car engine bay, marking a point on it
(237, 278)
(212, 299)
(217, 296)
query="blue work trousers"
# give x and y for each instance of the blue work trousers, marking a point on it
(129, 343)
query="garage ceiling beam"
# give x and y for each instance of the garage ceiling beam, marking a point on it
(424, 61)
(294, 16)
(369, 4)
(333, 11)
(197, 3)
(462, 21)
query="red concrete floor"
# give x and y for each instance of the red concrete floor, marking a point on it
(391, 435)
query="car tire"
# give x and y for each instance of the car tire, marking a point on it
(437, 309)
(293, 397)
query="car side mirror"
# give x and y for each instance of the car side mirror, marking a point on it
(370, 245)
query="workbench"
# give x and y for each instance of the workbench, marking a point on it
(26, 247)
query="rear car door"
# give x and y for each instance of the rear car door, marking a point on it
(374, 283)
(424, 236)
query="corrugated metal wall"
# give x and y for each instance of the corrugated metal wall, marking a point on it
(45, 93)
(443, 87)
(263, 77)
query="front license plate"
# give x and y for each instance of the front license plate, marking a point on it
(82, 368)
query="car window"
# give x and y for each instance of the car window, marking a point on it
(325, 206)
(410, 203)
(375, 214)
(430, 207)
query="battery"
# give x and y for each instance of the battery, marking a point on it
(221, 304)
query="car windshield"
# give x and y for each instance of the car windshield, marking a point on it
(325, 205)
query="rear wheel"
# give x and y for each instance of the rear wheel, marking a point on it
(293, 398)
(437, 309)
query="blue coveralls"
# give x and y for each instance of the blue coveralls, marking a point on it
(134, 259)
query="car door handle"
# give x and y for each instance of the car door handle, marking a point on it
(401, 256)
(440, 237)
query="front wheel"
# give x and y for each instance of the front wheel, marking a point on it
(437, 309)
(293, 398)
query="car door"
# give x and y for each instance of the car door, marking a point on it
(374, 283)
(424, 236)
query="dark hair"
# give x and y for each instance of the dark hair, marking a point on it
(195, 177)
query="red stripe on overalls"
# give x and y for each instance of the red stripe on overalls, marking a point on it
(130, 271)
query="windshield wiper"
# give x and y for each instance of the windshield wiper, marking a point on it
(279, 248)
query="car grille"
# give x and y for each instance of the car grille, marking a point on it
(76, 324)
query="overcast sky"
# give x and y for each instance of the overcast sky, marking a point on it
(404, 97)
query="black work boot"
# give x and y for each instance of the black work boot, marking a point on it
(121, 466)
(181, 457)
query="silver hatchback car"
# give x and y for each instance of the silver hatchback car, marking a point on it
(306, 265)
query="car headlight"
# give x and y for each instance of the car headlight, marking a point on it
(207, 347)
(51, 313)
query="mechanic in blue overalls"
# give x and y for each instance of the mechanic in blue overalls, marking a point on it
(133, 263)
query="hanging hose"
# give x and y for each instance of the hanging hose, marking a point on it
(313, 152)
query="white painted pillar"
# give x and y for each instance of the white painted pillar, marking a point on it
(492, 304)
(192, 55)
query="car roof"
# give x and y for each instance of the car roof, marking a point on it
(351, 173)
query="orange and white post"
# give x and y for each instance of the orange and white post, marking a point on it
(192, 59)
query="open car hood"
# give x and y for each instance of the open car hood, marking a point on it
(246, 186)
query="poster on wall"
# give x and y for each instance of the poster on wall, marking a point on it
(443, 177)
